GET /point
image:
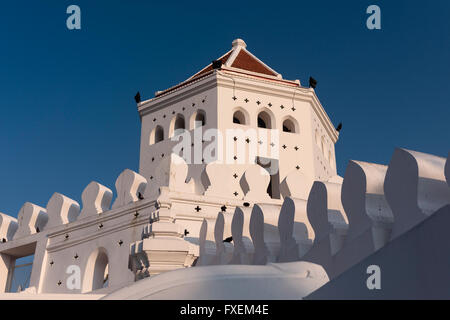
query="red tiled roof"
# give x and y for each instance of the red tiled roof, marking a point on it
(246, 62)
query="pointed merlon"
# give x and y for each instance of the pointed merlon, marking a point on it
(96, 199)
(364, 202)
(32, 219)
(61, 210)
(8, 227)
(128, 186)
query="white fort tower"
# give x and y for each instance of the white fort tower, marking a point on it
(237, 197)
(261, 117)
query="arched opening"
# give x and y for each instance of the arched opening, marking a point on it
(179, 122)
(239, 117)
(290, 125)
(157, 135)
(177, 125)
(198, 119)
(96, 274)
(265, 120)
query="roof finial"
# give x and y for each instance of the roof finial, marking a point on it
(238, 43)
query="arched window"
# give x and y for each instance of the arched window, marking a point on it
(265, 120)
(239, 117)
(290, 125)
(96, 274)
(198, 119)
(177, 125)
(157, 135)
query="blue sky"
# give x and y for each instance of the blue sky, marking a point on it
(67, 114)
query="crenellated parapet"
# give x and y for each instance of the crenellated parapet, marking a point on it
(152, 228)
(61, 235)
(342, 221)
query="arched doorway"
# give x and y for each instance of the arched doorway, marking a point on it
(96, 273)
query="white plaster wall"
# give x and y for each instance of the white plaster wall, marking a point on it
(151, 154)
(309, 156)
